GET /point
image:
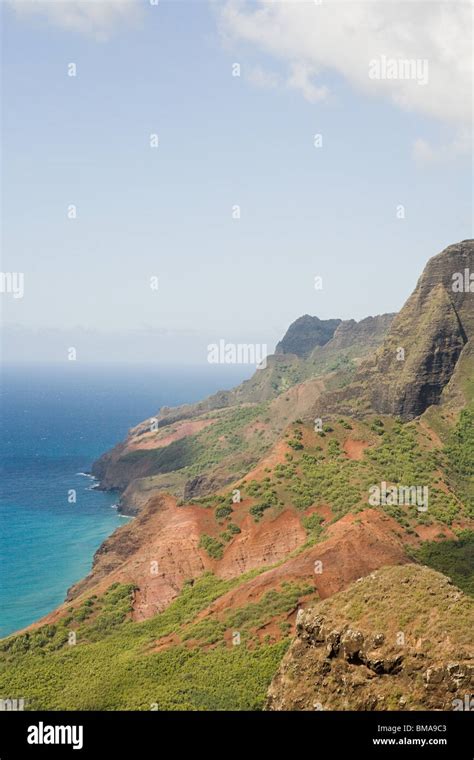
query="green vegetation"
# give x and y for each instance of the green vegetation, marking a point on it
(213, 547)
(312, 524)
(324, 479)
(271, 605)
(250, 617)
(377, 427)
(297, 445)
(266, 494)
(460, 455)
(230, 532)
(93, 620)
(258, 509)
(410, 611)
(334, 448)
(295, 442)
(228, 435)
(452, 558)
(122, 670)
(224, 511)
(323, 474)
(400, 459)
(345, 424)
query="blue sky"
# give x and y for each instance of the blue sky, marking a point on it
(223, 140)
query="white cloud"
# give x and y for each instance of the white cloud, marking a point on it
(96, 18)
(344, 37)
(426, 153)
(260, 77)
(298, 78)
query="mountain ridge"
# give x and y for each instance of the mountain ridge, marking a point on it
(285, 373)
(248, 512)
(305, 333)
(419, 354)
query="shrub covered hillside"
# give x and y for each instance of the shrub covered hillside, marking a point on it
(96, 658)
(202, 652)
(340, 478)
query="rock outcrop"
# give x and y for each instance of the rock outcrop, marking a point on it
(396, 640)
(369, 332)
(426, 340)
(305, 333)
(419, 355)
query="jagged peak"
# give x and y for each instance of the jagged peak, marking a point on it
(305, 333)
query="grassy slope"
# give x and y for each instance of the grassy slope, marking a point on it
(114, 666)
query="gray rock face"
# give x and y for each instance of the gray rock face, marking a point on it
(423, 347)
(305, 334)
(202, 485)
(432, 330)
(367, 330)
(432, 339)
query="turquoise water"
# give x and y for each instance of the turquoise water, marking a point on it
(54, 422)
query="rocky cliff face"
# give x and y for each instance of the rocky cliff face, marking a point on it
(427, 338)
(369, 331)
(396, 640)
(306, 333)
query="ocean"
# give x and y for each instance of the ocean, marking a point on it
(55, 420)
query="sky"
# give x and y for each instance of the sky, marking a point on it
(220, 230)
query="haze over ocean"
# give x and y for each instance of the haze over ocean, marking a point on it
(55, 420)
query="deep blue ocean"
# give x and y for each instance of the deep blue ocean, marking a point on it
(55, 421)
